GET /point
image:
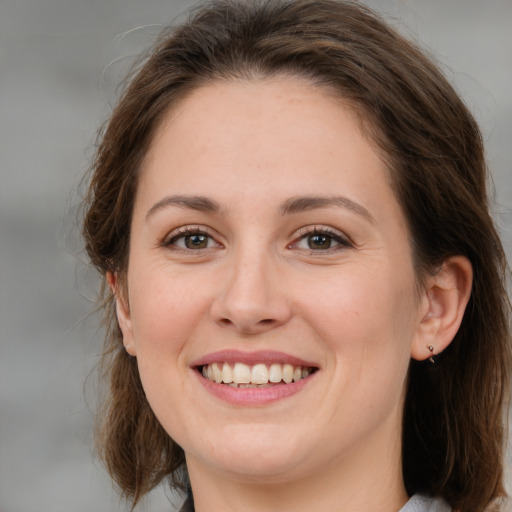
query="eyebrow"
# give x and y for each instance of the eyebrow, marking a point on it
(198, 203)
(305, 203)
(291, 206)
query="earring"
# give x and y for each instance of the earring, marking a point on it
(431, 358)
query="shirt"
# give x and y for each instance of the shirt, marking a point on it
(417, 503)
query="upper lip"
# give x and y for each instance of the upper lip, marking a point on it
(251, 358)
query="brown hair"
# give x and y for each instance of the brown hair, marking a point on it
(453, 435)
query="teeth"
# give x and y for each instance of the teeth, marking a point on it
(241, 374)
(287, 373)
(276, 373)
(258, 375)
(227, 373)
(217, 373)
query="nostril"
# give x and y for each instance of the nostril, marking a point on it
(248, 327)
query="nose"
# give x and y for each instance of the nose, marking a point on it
(252, 299)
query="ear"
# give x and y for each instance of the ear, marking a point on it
(123, 314)
(443, 303)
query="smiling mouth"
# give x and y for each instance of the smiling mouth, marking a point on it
(240, 375)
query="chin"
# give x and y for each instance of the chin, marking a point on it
(255, 453)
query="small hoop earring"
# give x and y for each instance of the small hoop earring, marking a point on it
(431, 350)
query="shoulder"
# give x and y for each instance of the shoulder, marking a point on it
(188, 504)
(502, 504)
(421, 503)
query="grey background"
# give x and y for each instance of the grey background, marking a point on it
(60, 62)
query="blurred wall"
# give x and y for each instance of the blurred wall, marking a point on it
(60, 62)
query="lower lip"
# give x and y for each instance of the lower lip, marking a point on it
(253, 396)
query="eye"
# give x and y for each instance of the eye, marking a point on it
(190, 239)
(320, 239)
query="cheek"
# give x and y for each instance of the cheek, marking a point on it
(366, 319)
(165, 314)
(165, 309)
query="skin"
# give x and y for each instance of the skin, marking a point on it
(352, 309)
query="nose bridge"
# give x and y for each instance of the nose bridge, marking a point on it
(251, 299)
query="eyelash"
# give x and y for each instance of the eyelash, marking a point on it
(182, 233)
(342, 241)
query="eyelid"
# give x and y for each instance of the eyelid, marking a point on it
(188, 230)
(341, 238)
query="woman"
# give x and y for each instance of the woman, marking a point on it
(305, 305)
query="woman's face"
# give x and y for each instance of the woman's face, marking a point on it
(267, 245)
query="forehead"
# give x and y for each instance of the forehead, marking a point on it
(280, 127)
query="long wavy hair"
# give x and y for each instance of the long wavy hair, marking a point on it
(453, 420)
